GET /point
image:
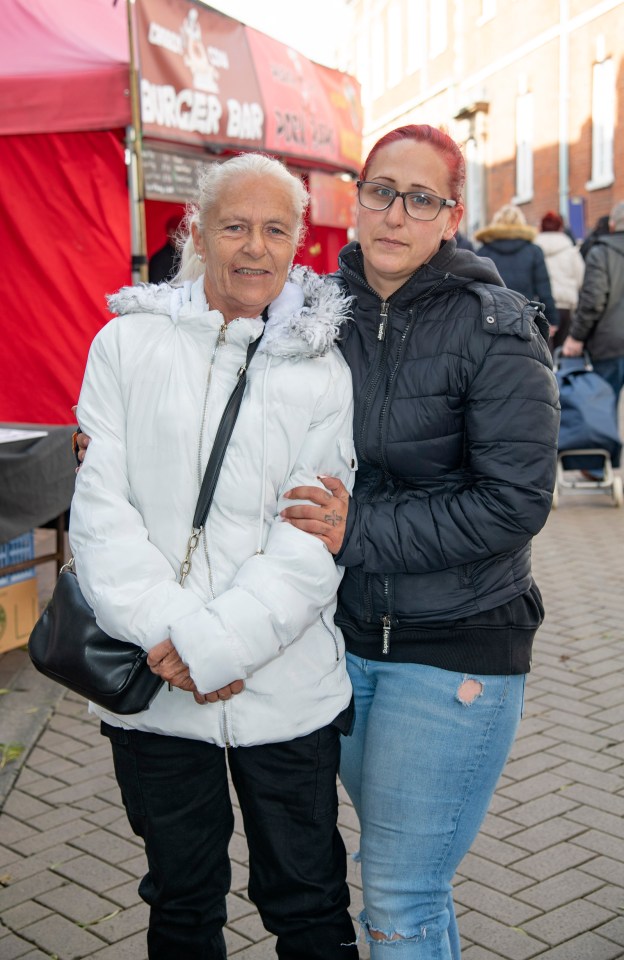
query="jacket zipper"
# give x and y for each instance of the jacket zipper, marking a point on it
(226, 732)
(332, 635)
(372, 386)
(387, 627)
(219, 343)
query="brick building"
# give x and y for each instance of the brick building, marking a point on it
(532, 89)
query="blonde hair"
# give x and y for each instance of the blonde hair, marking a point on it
(509, 214)
(212, 181)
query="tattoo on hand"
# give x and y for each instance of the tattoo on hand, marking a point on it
(333, 518)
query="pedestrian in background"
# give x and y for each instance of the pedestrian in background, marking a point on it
(601, 227)
(566, 269)
(598, 325)
(164, 263)
(508, 241)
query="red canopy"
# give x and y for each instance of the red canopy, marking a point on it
(64, 107)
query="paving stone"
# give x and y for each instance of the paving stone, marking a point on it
(586, 947)
(606, 869)
(601, 761)
(554, 860)
(499, 906)
(546, 834)
(499, 938)
(24, 807)
(532, 764)
(613, 930)
(92, 873)
(72, 830)
(12, 947)
(122, 923)
(562, 888)
(567, 921)
(60, 936)
(76, 903)
(22, 915)
(235, 942)
(133, 948)
(533, 787)
(595, 798)
(601, 842)
(608, 896)
(106, 846)
(80, 790)
(543, 808)
(27, 889)
(499, 878)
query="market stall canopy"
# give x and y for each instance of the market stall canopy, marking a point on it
(205, 80)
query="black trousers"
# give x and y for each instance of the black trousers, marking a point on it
(176, 796)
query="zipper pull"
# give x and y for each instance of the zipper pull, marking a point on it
(221, 337)
(387, 627)
(381, 333)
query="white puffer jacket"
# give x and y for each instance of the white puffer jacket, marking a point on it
(260, 598)
(565, 265)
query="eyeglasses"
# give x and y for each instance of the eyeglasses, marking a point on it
(418, 206)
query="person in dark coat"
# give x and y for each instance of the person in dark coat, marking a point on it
(601, 227)
(164, 263)
(508, 242)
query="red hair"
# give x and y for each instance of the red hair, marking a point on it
(423, 133)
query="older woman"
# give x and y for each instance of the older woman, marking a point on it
(456, 425)
(248, 643)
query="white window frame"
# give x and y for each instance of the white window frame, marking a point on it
(395, 43)
(603, 124)
(416, 35)
(524, 148)
(438, 28)
(378, 57)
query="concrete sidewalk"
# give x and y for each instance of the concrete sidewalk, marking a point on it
(544, 879)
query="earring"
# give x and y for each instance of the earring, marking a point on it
(200, 257)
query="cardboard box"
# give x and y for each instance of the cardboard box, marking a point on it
(19, 612)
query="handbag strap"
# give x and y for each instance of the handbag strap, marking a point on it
(217, 454)
(222, 438)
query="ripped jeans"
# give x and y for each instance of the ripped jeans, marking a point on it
(421, 765)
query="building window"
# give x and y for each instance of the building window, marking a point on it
(416, 34)
(437, 28)
(488, 10)
(395, 44)
(524, 148)
(603, 124)
(378, 58)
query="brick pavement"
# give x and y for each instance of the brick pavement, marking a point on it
(545, 877)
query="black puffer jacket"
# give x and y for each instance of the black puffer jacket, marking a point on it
(456, 427)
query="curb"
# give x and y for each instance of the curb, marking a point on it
(26, 704)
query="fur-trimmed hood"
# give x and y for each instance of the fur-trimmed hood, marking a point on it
(304, 320)
(505, 231)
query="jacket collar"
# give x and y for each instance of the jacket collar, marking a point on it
(304, 320)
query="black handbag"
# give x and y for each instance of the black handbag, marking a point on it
(66, 643)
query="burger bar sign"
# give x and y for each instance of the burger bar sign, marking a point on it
(206, 78)
(190, 89)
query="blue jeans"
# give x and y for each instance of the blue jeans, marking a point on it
(421, 765)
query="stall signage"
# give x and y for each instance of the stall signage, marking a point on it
(208, 79)
(197, 78)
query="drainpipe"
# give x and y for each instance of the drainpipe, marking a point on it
(564, 100)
